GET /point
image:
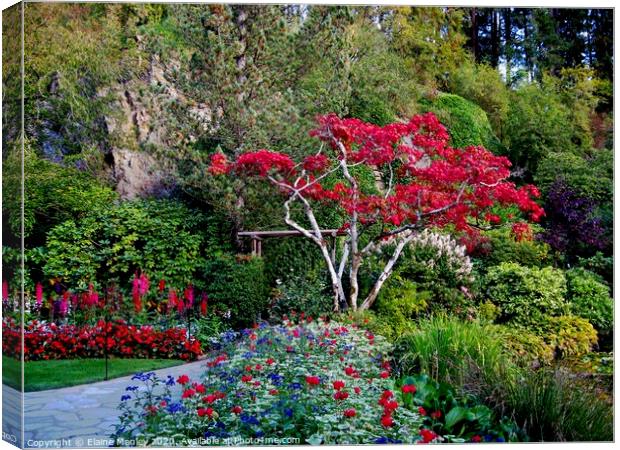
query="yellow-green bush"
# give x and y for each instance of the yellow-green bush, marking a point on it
(570, 335)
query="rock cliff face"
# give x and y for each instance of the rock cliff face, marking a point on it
(140, 128)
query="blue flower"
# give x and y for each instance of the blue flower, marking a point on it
(295, 386)
(131, 388)
(250, 420)
(143, 376)
(175, 407)
(386, 440)
(125, 398)
(170, 381)
(288, 412)
(500, 439)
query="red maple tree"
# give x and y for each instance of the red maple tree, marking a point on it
(424, 183)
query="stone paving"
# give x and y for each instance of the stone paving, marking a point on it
(77, 416)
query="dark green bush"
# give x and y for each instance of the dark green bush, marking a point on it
(599, 264)
(589, 298)
(53, 194)
(466, 122)
(298, 294)
(237, 288)
(526, 295)
(156, 237)
(505, 248)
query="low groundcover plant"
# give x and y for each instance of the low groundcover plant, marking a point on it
(317, 381)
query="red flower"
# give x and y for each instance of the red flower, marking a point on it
(357, 389)
(338, 384)
(258, 367)
(205, 412)
(162, 285)
(350, 412)
(312, 380)
(385, 374)
(237, 409)
(476, 438)
(341, 395)
(422, 411)
(203, 304)
(436, 414)
(427, 435)
(273, 392)
(409, 389)
(183, 379)
(390, 405)
(246, 378)
(387, 420)
(349, 370)
(188, 393)
(269, 362)
(209, 398)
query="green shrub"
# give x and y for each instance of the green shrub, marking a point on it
(237, 288)
(505, 248)
(437, 264)
(53, 194)
(599, 264)
(299, 294)
(454, 351)
(482, 85)
(156, 237)
(592, 177)
(589, 298)
(570, 335)
(397, 306)
(526, 295)
(538, 122)
(527, 349)
(466, 122)
(289, 257)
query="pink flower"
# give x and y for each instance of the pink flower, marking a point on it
(39, 294)
(5, 290)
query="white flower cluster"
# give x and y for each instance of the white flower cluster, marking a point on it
(442, 246)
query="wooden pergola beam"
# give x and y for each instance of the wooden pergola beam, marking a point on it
(258, 236)
(286, 233)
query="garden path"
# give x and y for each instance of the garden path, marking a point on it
(78, 416)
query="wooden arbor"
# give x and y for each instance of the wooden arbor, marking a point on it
(258, 236)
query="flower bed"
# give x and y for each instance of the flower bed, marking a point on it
(51, 341)
(321, 383)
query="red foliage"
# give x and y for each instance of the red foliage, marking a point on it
(433, 183)
(51, 341)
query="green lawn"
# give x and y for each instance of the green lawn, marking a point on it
(41, 375)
